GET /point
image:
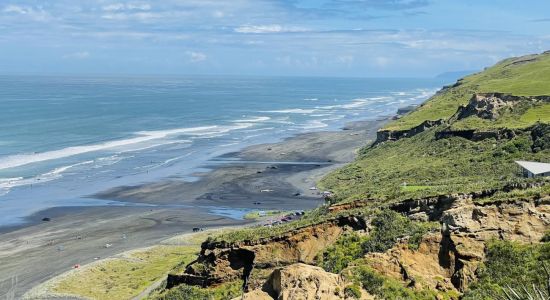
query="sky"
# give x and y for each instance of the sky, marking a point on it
(358, 38)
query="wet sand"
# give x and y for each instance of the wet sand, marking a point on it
(267, 176)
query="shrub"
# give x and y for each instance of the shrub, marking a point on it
(187, 292)
(510, 265)
(346, 249)
(389, 227)
(386, 288)
(546, 237)
(370, 280)
(352, 291)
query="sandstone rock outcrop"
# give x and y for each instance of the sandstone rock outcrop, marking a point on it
(449, 259)
(483, 105)
(487, 106)
(301, 281)
(221, 262)
(444, 261)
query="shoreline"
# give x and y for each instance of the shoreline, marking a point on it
(261, 177)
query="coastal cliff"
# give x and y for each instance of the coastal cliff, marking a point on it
(436, 208)
(445, 260)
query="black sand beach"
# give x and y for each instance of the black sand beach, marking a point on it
(262, 177)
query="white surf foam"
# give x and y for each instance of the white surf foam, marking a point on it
(253, 120)
(315, 124)
(6, 184)
(292, 111)
(355, 103)
(143, 136)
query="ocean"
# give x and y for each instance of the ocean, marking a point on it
(65, 138)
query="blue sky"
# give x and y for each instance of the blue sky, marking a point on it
(364, 38)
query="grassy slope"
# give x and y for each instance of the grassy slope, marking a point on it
(523, 76)
(444, 166)
(127, 275)
(125, 278)
(424, 166)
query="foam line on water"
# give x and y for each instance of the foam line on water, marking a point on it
(143, 136)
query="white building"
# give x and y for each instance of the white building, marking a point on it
(534, 169)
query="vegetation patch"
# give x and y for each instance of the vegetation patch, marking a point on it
(516, 76)
(534, 193)
(352, 291)
(389, 227)
(124, 277)
(414, 188)
(510, 265)
(383, 287)
(187, 292)
(451, 165)
(539, 113)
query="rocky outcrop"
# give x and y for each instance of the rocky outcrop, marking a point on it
(431, 266)
(221, 262)
(487, 106)
(394, 135)
(479, 135)
(448, 260)
(482, 105)
(445, 261)
(300, 281)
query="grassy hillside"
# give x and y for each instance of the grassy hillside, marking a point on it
(523, 76)
(424, 166)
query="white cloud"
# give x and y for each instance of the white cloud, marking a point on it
(78, 55)
(274, 28)
(140, 16)
(37, 14)
(16, 9)
(196, 56)
(113, 7)
(218, 14)
(345, 59)
(128, 6)
(139, 6)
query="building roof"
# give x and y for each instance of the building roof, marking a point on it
(534, 167)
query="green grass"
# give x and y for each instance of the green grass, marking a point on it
(523, 115)
(521, 194)
(537, 114)
(509, 76)
(453, 165)
(414, 188)
(387, 288)
(510, 264)
(255, 233)
(225, 291)
(125, 277)
(388, 228)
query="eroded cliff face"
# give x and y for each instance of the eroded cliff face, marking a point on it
(300, 281)
(489, 106)
(221, 262)
(449, 259)
(444, 261)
